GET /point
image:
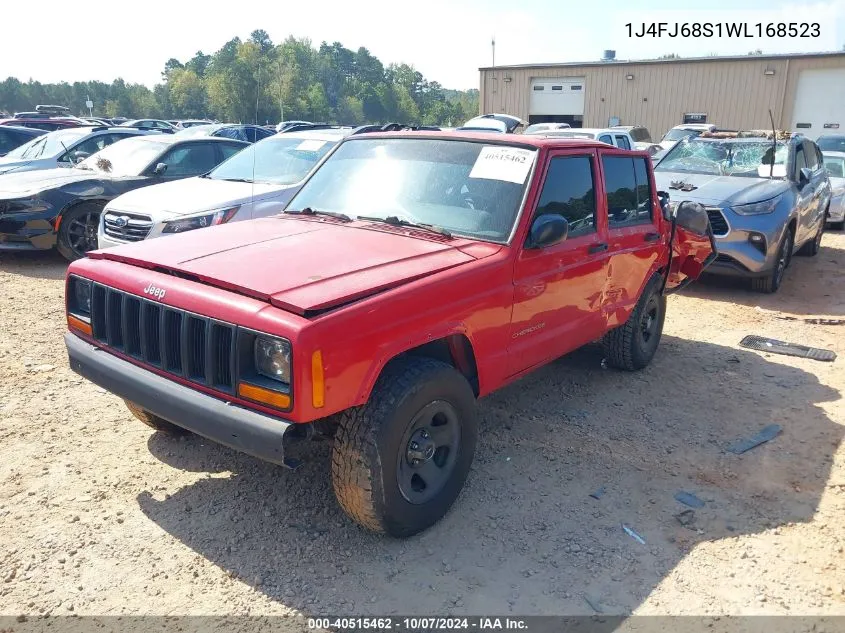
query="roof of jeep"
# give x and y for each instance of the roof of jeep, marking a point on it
(497, 138)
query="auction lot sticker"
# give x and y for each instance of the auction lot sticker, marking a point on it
(509, 164)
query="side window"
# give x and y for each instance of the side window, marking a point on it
(819, 155)
(189, 160)
(622, 141)
(570, 192)
(7, 142)
(229, 150)
(628, 191)
(606, 138)
(94, 144)
(800, 163)
(810, 156)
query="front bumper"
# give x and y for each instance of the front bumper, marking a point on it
(836, 211)
(247, 431)
(19, 232)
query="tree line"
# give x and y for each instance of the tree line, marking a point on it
(257, 81)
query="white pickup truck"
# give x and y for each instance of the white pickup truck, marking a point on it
(616, 137)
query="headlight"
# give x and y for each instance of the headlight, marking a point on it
(200, 221)
(757, 208)
(79, 297)
(272, 358)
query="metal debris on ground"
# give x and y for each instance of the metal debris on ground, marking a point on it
(639, 539)
(688, 499)
(686, 517)
(598, 494)
(746, 444)
(772, 346)
(810, 320)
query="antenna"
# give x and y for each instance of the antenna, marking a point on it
(493, 45)
(774, 144)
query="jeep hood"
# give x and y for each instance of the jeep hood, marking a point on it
(26, 183)
(299, 265)
(193, 195)
(719, 190)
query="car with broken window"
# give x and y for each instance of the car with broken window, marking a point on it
(411, 274)
(766, 193)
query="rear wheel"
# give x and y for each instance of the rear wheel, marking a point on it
(400, 460)
(155, 422)
(633, 345)
(78, 230)
(771, 282)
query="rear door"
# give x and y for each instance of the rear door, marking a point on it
(558, 290)
(634, 231)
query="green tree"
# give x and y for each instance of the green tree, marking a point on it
(187, 94)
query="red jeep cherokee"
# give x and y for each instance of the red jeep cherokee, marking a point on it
(412, 274)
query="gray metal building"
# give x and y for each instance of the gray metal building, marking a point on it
(806, 92)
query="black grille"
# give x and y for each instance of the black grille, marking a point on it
(178, 342)
(717, 222)
(127, 227)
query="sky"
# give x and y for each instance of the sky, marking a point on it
(446, 40)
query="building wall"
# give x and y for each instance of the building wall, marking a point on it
(735, 94)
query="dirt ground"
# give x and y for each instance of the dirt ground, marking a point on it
(99, 515)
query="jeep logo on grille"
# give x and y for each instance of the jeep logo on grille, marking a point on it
(153, 291)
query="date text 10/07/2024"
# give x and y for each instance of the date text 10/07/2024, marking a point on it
(724, 29)
(417, 623)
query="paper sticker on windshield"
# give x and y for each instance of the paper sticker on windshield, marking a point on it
(310, 145)
(509, 164)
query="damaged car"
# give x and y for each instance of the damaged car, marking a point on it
(766, 193)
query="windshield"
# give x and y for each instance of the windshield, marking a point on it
(831, 143)
(539, 127)
(127, 158)
(835, 166)
(677, 135)
(468, 188)
(275, 161)
(198, 130)
(48, 145)
(724, 158)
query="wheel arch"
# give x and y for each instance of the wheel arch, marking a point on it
(73, 204)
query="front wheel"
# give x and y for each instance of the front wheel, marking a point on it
(400, 460)
(633, 345)
(771, 282)
(78, 230)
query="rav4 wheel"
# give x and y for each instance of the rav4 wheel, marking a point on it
(400, 461)
(771, 282)
(155, 422)
(633, 345)
(78, 230)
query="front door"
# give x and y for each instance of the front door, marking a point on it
(558, 290)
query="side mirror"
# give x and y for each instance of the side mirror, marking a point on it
(160, 169)
(804, 176)
(663, 197)
(693, 217)
(546, 230)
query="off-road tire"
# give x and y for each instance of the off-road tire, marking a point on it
(771, 282)
(812, 248)
(155, 422)
(369, 443)
(625, 346)
(64, 242)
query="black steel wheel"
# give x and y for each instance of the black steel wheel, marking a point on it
(78, 230)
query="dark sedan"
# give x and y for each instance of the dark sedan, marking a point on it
(12, 137)
(241, 132)
(61, 207)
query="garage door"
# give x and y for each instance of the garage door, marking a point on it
(820, 103)
(559, 100)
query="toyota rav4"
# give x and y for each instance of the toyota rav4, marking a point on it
(412, 274)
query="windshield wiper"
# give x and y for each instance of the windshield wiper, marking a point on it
(395, 221)
(232, 179)
(331, 214)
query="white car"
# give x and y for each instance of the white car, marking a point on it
(680, 132)
(63, 148)
(256, 182)
(611, 136)
(834, 163)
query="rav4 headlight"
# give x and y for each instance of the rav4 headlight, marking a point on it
(272, 358)
(757, 208)
(200, 221)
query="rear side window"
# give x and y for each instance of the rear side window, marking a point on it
(570, 192)
(622, 141)
(810, 155)
(606, 138)
(628, 191)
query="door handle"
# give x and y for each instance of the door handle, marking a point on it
(651, 237)
(597, 248)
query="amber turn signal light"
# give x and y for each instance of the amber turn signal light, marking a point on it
(265, 396)
(318, 382)
(78, 324)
